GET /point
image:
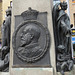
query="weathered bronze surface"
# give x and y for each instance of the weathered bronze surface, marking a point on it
(62, 32)
(6, 30)
(31, 39)
(29, 36)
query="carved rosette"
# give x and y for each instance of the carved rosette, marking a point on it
(34, 42)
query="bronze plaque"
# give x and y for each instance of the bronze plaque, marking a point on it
(31, 39)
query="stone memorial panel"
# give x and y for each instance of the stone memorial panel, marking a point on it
(31, 39)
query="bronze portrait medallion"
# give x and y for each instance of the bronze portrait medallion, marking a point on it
(31, 41)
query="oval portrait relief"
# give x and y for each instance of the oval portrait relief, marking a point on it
(31, 40)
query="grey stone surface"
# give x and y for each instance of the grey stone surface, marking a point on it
(2, 73)
(32, 71)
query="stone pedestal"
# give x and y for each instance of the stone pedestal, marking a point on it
(41, 6)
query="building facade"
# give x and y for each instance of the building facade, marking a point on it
(72, 11)
(0, 16)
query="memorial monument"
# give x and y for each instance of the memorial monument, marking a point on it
(32, 44)
(40, 43)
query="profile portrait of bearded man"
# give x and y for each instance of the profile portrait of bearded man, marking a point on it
(29, 46)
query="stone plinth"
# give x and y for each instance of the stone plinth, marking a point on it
(32, 71)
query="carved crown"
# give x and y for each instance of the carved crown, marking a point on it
(30, 14)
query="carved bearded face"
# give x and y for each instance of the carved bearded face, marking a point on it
(26, 38)
(30, 34)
